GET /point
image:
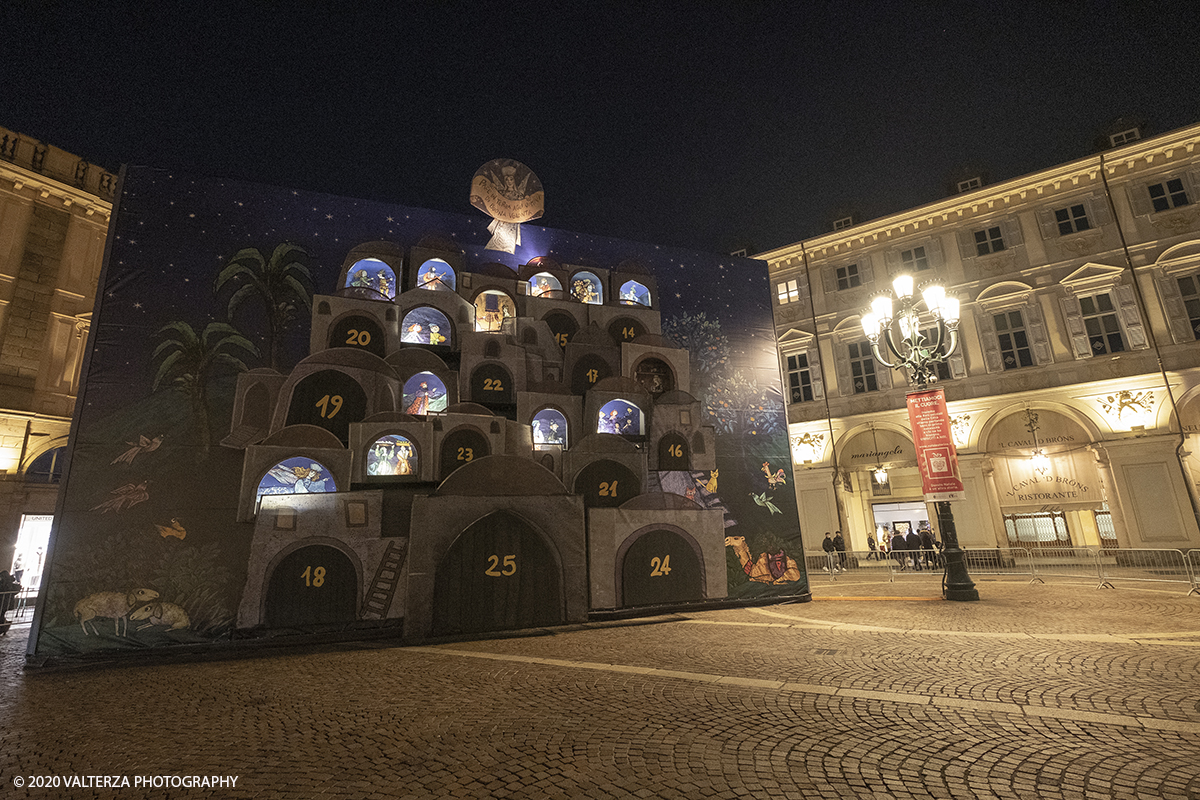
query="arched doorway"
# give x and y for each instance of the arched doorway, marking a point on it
(661, 566)
(606, 484)
(499, 574)
(461, 446)
(562, 325)
(673, 452)
(314, 585)
(329, 399)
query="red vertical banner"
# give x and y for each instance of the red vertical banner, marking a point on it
(936, 455)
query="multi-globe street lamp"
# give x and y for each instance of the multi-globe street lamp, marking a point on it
(918, 351)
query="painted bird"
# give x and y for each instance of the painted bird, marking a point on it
(142, 445)
(175, 529)
(765, 502)
(127, 496)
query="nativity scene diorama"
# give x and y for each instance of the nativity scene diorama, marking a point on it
(385, 427)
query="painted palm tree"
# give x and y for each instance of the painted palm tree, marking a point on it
(283, 283)
(189, 361)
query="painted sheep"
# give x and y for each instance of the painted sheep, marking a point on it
(111, 605)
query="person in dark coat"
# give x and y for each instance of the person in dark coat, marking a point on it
(898, 549)
(829, 549)
(839, 544)
(8, 598)
(913, 543)
(927, 546)
(873, 555)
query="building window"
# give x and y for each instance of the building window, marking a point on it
(1035, 531)
(915, 259)
(1100, 321)
(799, 378)
(1168, 194)
(47, 468)
(1124, 137)
(969, 184)
(862, 367)
(1014, 343)
(789, 292)
(844, 222)
(989, 240)
(941, 368)
(848, 277)
(1189, 288)
(1071, 220)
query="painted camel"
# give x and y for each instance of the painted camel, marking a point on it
(767, 568)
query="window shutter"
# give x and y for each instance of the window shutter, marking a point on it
(966, 245)
(1098, 212)
(1177, 318)
(1012, 232)
(844, 378)
(958, 366)
(891, 260)
(987, 338)
(1073, 317)
(829, 274)
(865, 273)
(1139, 199)
(1047, 223)
(1035, 326)
(814, 372)
(1130, 316)
(933, 251)
(883, 376)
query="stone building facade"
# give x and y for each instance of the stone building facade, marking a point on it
(1080, 338)
(54, 214)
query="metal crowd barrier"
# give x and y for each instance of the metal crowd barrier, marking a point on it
(1102, 566)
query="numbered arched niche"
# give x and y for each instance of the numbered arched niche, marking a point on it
(425, 325)
(313, 585)
(296, 475)
(634, 294)
(372, 274)
(492, 307)
(330, 399)
(549, 428)
(424, 393)
(621, 416)
(359, 332)
(436, 275)
(587, 288)
(392, 454)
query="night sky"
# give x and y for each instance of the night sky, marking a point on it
(708, 126)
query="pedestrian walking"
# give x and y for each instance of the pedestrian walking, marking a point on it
(913, 543)
(927, 548)
(874, 554)
(829, 549)
(898, 548)
(839, 544)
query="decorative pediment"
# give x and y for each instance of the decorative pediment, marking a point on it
(794, 337)
(1004, 293)
(1092, 277)
(1180, 257)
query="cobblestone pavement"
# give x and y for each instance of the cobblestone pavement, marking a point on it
(1035, 692)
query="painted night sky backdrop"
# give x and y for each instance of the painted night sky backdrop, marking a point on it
(707, 126)
(175, 232)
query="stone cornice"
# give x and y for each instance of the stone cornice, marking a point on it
(989, 201)
(46, 188)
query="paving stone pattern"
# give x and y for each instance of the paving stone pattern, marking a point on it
(1035, 692)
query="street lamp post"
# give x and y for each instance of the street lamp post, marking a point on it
(899, 331)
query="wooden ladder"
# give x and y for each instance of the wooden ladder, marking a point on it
(387, 577)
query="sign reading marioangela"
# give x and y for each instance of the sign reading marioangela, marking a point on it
(936, 455)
